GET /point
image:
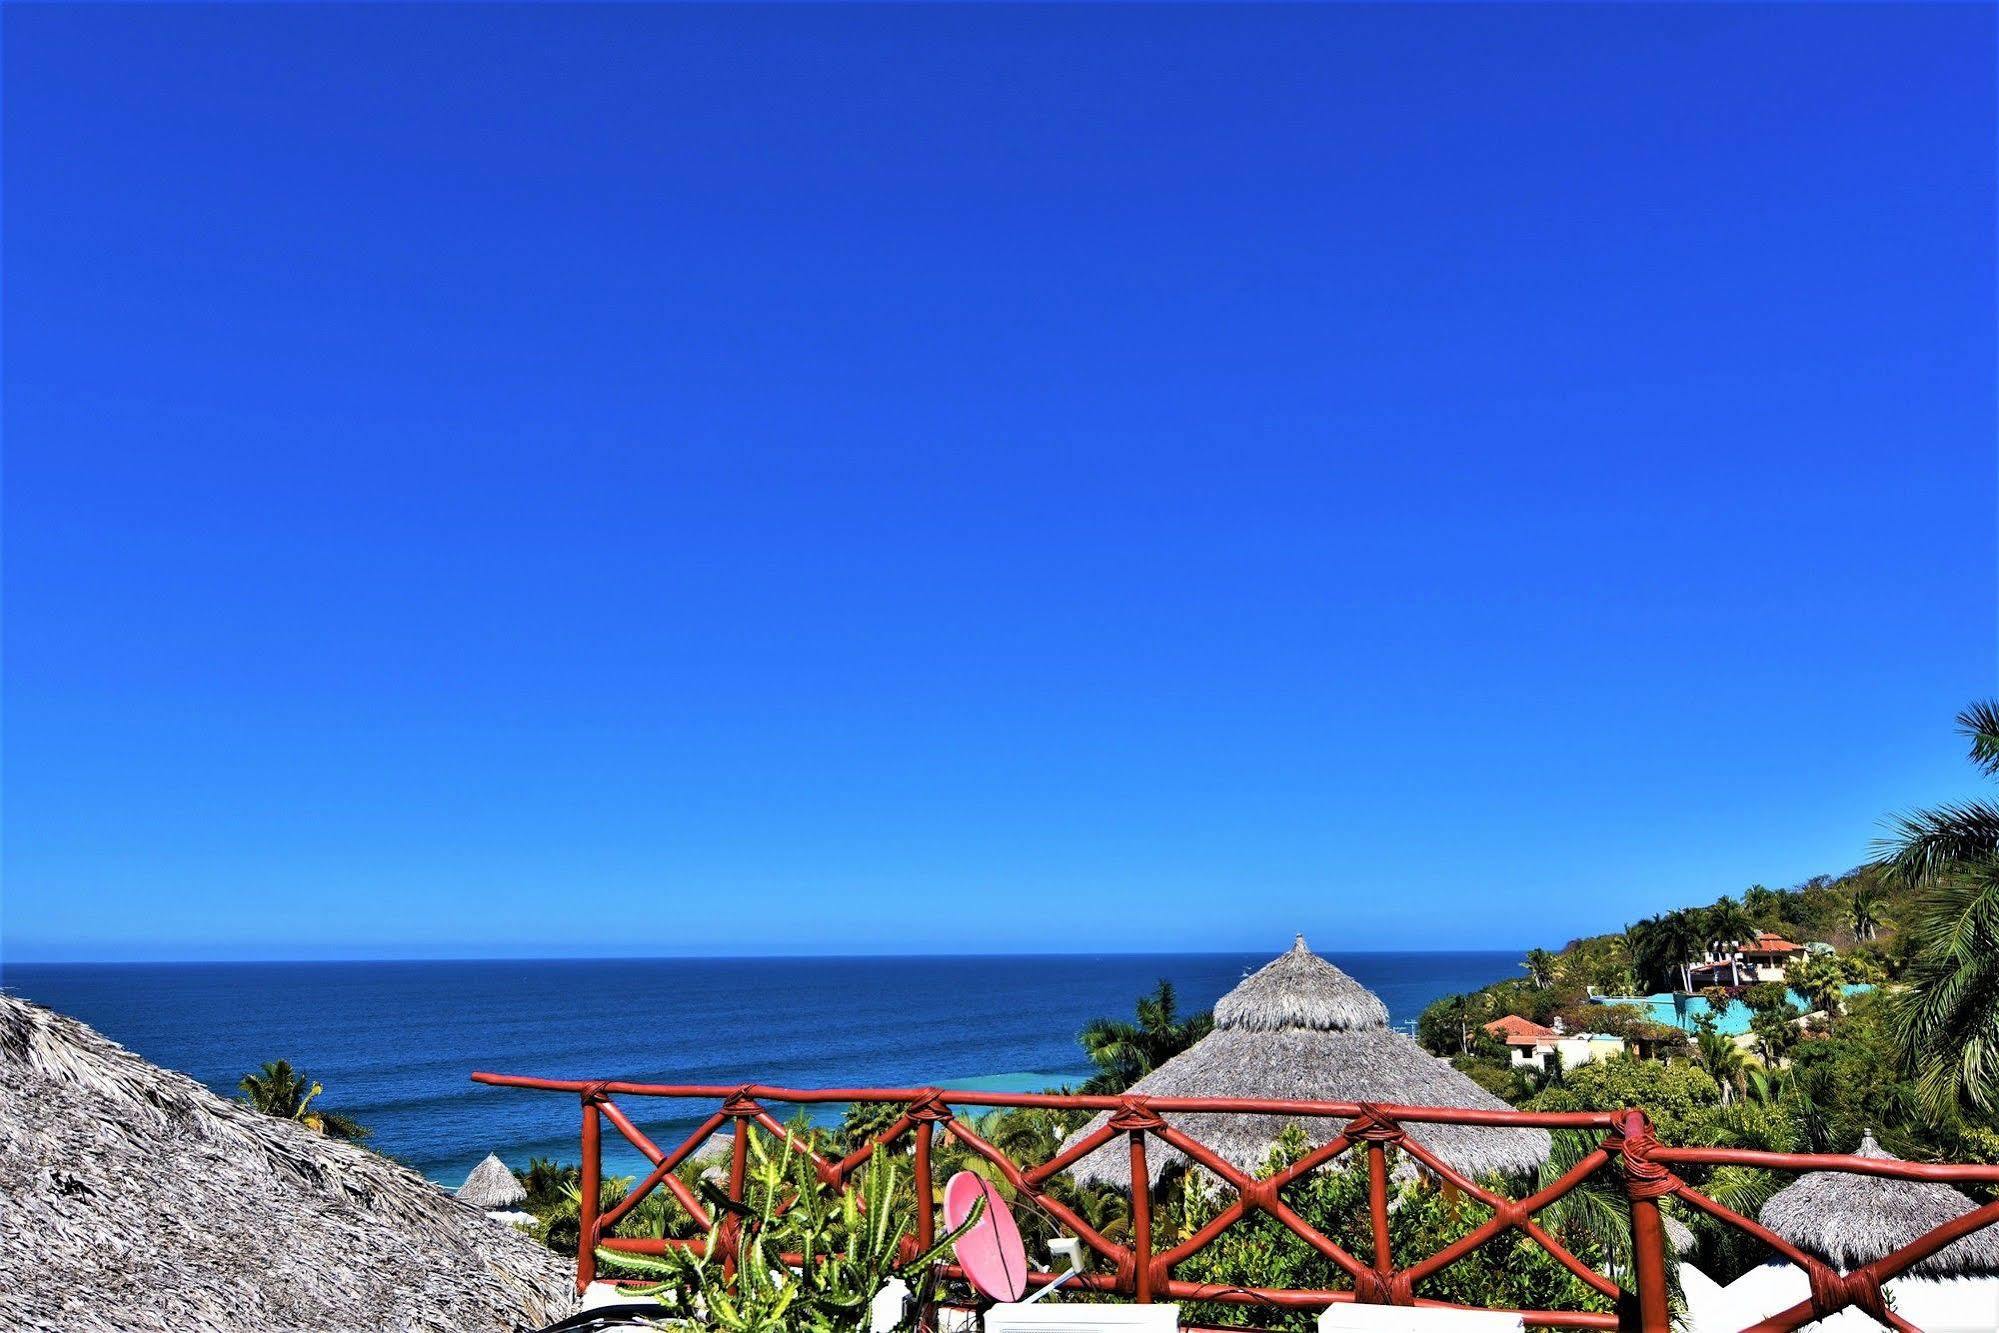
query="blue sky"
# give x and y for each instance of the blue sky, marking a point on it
(607, 481)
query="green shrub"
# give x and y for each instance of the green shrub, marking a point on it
(1672, 1094)
(1511, 1271)
(1496, 1078)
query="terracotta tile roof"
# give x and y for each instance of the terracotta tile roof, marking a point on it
(1765, 942)
(1517, 1031)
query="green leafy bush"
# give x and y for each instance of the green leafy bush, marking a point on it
(1673, 1094)
(1511, 1271)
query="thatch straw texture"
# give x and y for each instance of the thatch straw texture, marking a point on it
(491, 1186)
(1850, 1220)
(1300, 1028)
(131, 1197)
(1299, 989)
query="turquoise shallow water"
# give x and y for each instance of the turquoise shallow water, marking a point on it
(1684, 1011)
(394, 1042)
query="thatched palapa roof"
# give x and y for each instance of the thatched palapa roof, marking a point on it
(131, 1197)
(1849, 1220)
(491, 1185)
(1301, 1029)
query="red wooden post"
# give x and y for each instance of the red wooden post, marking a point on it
(591, 1187)
(1648, 1243)
(926, 1216)
(926, 1207)
(739, 1160)
(739, 1174)
(1645, 1181)
(1377, 1206)
(1141, 1220)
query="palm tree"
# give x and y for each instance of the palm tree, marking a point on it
(1541, 966)
(1858, 969)
(278, 1090)
(1728, 924)
(1025, 1134)
(1774, 1032)
(1947, 1019)
(1107, 1208)
(1467, 1015)
(1662, 947)
(1762, 904)
(1646, 940)
(1820, 979)
(1125, 1052)
(1610, 967)
(1020, 1136)
(1723, 1060)
(546, 1181)
(1863, 910)
(862, 1121)
(1763, 1084)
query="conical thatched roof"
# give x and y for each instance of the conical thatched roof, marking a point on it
(1849, 1220)
(132, 1197)
(1300, 1028)
(491, 1185)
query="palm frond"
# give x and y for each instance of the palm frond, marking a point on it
(1924, 845)
(1947, 1018)
(1979, 724)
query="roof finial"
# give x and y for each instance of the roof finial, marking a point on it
(1298, 944)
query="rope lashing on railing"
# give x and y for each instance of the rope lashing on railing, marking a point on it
(1372, 1126)
(1833, 1292)
(1644, 1178)
(595, 1094)
(741, 1103)
(1259, 1193)
(1372, 1287)
(1134, 1113)
(928, 1107)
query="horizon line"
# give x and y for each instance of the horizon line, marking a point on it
(6, 963)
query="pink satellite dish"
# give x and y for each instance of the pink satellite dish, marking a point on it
(994, 1260)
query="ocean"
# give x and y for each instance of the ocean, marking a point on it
(394, 1042)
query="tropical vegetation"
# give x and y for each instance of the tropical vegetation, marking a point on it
(1510, 1271)
(276, 1089)
(1948, 1018)
(808, 1260)
(1916, 1058)
(1125, 1052)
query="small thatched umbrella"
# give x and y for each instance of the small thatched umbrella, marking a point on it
(1301, 1029)
(714, 1156)
(133, 1197)
(1849, 1220)
(491, 1186)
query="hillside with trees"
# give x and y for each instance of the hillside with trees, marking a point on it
(1915, 1057)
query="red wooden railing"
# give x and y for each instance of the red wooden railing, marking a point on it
(1145, 1274)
